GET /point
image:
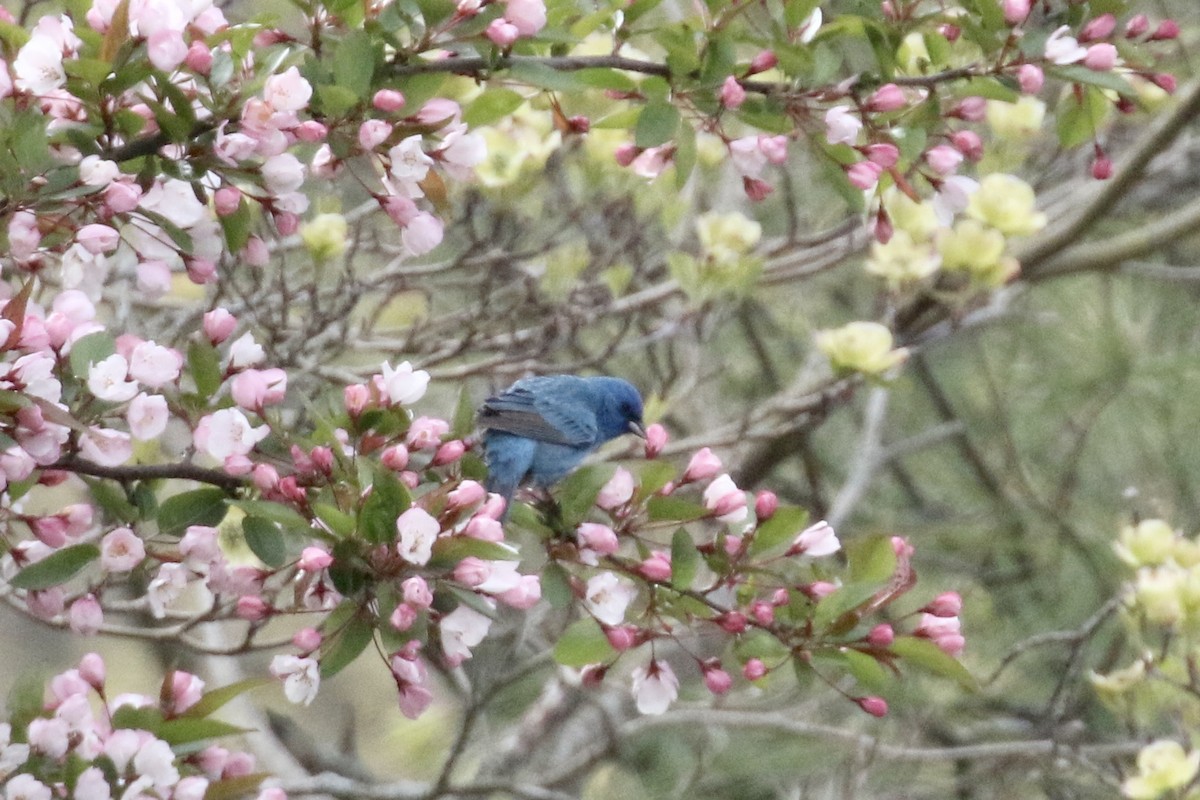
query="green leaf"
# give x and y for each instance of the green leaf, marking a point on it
(354, 63)
(990, 89)
(1076, 73)
(556, 586)
(583, 643)
(868, 671)
(684, 559)
(685, 154)
(545, 77)
(56, 568)
(656, 125)
(1078, 120)
(601, 78)
(847, 598)
(348, 572)
(339, 651)
(341, 523)
(450, 550)
(387, 501)
(147, 718)
(234, 788)
(185, 730)
(109, 496)
(872, 559)
(578, 492)
(204, 506)
(675, 509)
(265, 540)
(205, 365)
(212, 700)
(237, 226)
(91, 349)
(335, 100)
(492, 105)
(925, 654)
(652, 476)
(464, 415)
(783, 526)
(286, 516)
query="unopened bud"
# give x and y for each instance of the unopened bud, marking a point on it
(875, 706)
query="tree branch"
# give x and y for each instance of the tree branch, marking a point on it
(142, 472)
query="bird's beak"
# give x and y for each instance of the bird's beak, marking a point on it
(637, 428)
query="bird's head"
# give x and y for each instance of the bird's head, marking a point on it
(620, 407)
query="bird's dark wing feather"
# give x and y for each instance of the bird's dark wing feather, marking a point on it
(541, 409)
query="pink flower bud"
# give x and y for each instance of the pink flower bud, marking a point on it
(875, 706)
(466, 494)
(448, 453)
(226, 200)
(579, 124)
(883, 229)
(86, 616)
(252, 608)
(265, 477)
(885, 154)
(943, 159)
(493, 507)
(756, 189)
(882, 635)
(968, 143)
(484, 528)
(311, 131)
(356, 398)
(819, 590)
(1099, 28)
(200, 271)
(763, 613)
(971, 109)
(256, 253)
(1165, 81)
(732, 94)
(774, 148)
(656, 439)
(780, 597)
(1102, 167)
(765, 505)
(1166, 30)
(410, 479)
(901, 547)
(864, 175)
(717, 680)
(416, 592)
(403, 617)
(1030, 78)
(626, 153)
(122, 197)
(732, 622)
(388, 100)
(1101, 57)
(1137, 26)
(314, 559)
(754, 669)
(502, 32)
(395, 457)
(91, 669)
(657, 567)
(946, 604)
(704, 465)
(763, 61)
(286, 222)
(951, 32)
(525, 595)
(622, 637)
(199, 58)
(1016, 11)
(306, 640)
(600, 539)
(732, 545)
(888, 97)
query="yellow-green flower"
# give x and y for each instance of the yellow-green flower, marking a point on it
(1162, 767)
(864, 347)
(1119, 681)
(1008, 204)
(325, 236)
(726, 237)
(1019, 120)
(918, 220)
(1149, 543)
(1158, 594)
(901, 260)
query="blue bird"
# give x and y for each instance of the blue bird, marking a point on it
(539, 429)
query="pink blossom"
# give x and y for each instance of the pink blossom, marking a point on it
(875, 706)
(416, 532)
(254, 389)
(1016, 11)
(426, 433)
(153, 278)
(109, 380)
(199, 547)
(226, 433)
(717, 680)
(607, 597)
(882, 635)
(774, 148)
(501, 32)
(1062, 48)
(888, 97)
(1167, 30)
(968, 143)
(282, 173)
(245, 352)
(1099, 28)
(416, 592)
(155, 365)
(301, 677)
(49, 737)
(310, 131)
(493, 507)
(946, 604)
(307, 640)
(819, 590)
(756, 190)
(314, 559)
(626, 153)
(747, 157)
(971, 109)
(943, 159)
(147, 416)
(703, 465)
(287, 91)
(448, 453)
(656, 440)
(388, 100)
(650, 163)
(754, 669)
(725, 500)
(439, 111)
(45, 604)
(86, 615)
(765, 505)
(467, 494)
(617, 491)
(655, 687)
(122, 197)
(621, 637)
(657, 566)
(226, 200)
(600, 539)
(121, 550)
(527, 16)
(864, 174)
(763, 60)
(1137, 26)
(166, 586)
(484, 528)
(97, 238)
(218, 325)
(199, 58)
(372, 133)
(1102, 167)
(462, 629)
(166, 49)
(106, 447)
(186, 691)
(252, 608)
(732, 94)
(410, 676)
(1101, 57)
(1165, 81)
(884, 154)
(525, 595)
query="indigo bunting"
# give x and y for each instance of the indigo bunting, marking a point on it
(539, 429)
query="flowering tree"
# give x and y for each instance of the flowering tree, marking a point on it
(221, 235)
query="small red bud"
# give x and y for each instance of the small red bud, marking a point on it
(1167, 29)
(875, 706)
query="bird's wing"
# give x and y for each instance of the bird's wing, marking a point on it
(544, 409)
